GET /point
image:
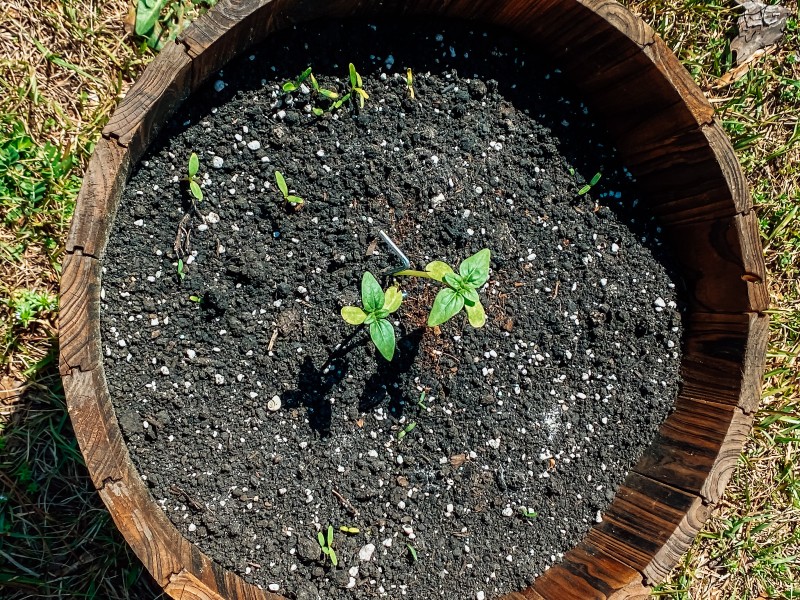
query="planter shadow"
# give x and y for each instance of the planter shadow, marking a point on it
(687, 170)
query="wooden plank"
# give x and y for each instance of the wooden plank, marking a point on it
(649, 526)
(98, 198)
(156, 542)
(95, 425)
(723, 358)
(721, 263)
(680, 79)
(79, 314)
(697, 448)
(588, 573)
(151, 100)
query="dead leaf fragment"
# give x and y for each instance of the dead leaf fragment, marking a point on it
(458, 460)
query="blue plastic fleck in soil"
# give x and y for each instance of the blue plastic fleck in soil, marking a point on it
(276, 234)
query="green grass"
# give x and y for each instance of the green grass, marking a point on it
(63, 69)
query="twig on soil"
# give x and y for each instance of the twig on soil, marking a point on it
(181, 245)
(344, 502)
(271, 344)
(179, 491)
(555, 289)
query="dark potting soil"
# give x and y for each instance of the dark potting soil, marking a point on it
(523, 429)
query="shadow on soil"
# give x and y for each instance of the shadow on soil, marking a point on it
(56, 538)
(314, 385)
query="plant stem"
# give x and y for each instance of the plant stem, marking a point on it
(412, 273)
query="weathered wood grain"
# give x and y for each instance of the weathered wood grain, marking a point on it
(697, 448)
(723, 358)
(690, 180)
(151, 100)
(79, 314)
(587, 573)
(98, 198)
(649, 526)
(721, 263)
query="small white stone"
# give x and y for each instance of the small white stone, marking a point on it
(219, 379)
(165, 370)
(121, 343)
(274, 403)
(353, 571)
(507, 512)
(351, 583)
(614, 248)
(217, 162)
(202, 227)
(190, 353)
(192, 527)
(481, 595)
(254, 145)
(321, 153)
(598, 518)
(437, 199)
(274, 587)
(660, 302)
(212, 218)
(139, 222)
(366, 552)
(387, 542)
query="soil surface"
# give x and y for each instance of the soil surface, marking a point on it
(523, 428)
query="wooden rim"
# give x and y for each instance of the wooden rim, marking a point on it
(689, 176)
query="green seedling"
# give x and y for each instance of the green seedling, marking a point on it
(589, 185)
(325, 93)
(357, 86)
(421, 401)
(461, 291)
(378, 305)
(528, 514)
(27, 305)
(296, 200)
(410, 83)
(326, 543)
(349, 530)
(181, 270)
(196, 299)
(406, 430)
(413, 552)
(194, 186)
(291, 86)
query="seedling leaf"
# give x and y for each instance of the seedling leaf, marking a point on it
(321, 540)
(334, 559)
(393, 299)
(372, 297)
(353, 315)
(147, 12)
(281, 183)
(596, 178)
(382, 334)
(197, 192)
(446, 305)
(475, 314)
(289, 86)
(353, 76)
(330, 535)
(438, 269)
(412, 551)
(329, 94)
(584, 189)
(475, 269)
(318, 111)
(294, 199)
(194, 165)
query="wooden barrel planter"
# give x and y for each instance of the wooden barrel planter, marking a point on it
(687, 170)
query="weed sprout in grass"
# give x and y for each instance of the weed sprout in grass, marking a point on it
(291, 199)
(378, 305)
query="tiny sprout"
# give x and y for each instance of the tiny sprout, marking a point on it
(349, 530)
(528, 514)
(326, 545)
(357, 86)
(296, 200)
(589, 185)
(421, 401)
(196, 299)
(181, 271)
(378, 305)
(291, 86)
(406, 430)
(413, 552)
(410, 83)
(325, 93)
(194, 186)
